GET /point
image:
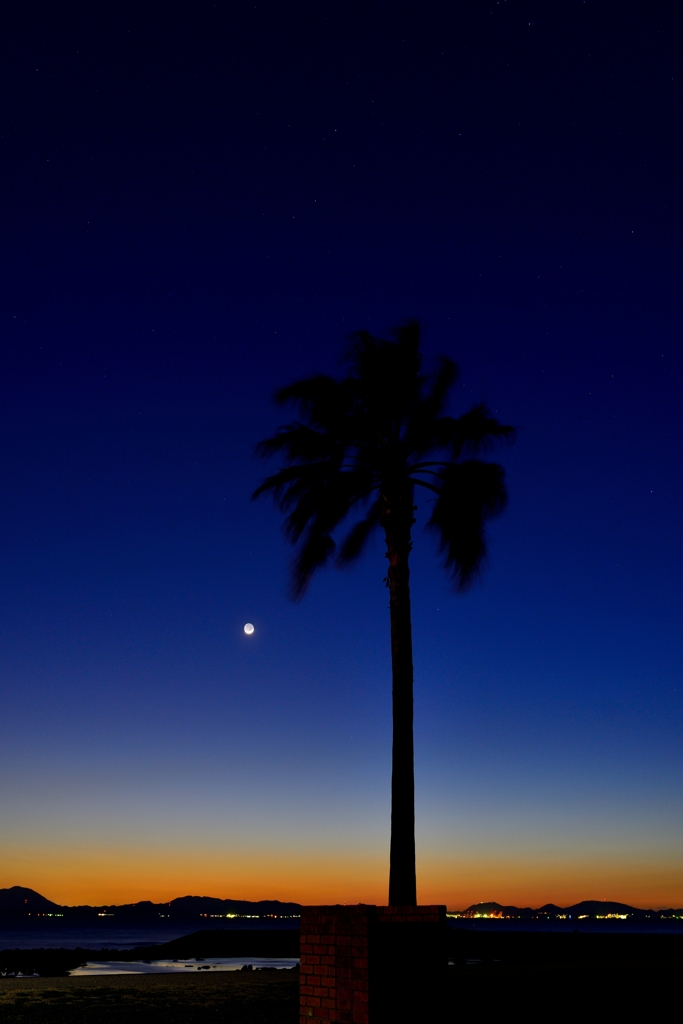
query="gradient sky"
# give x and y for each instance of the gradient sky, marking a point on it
(200, 202)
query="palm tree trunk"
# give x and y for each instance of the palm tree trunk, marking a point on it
(402, 886)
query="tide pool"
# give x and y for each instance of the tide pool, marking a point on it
(225, 963)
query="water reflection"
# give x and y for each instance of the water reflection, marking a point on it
(219, 963)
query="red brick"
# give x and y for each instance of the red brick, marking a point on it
(335, 955)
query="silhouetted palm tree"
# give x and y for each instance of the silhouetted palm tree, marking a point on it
(363, 444)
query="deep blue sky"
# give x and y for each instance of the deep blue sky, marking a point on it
(200, 202)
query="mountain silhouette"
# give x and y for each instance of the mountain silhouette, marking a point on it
(549, 911)
(18, 902)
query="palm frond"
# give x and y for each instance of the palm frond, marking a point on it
(423, 433)
(308, 393)
(324, 405)
(298, 442)
(440, 383)
(474, 432)
(358, 536)
(313, 554)
(373, 436)
(278, 484)
(471, 493)
(386, 376)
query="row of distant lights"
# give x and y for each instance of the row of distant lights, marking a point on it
(558, 917)
(109, 914)
(494, 916)
(257, 916)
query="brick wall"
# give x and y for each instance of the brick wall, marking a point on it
(363, 964)
(334, 964)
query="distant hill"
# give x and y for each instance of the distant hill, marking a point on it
(20, 903)
(593, 909)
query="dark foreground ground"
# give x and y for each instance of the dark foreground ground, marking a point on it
(528, 992)
(232, 997)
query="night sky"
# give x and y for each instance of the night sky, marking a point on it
(200, 202)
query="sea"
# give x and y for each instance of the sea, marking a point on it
(99, 938)
(646, 926)
(96, 968)
(105, 936)
(54, 935)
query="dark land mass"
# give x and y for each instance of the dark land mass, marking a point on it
(199, 945)
(18, 905)
(464, 946)
(236, 997)
(587, 909)
(22, 905)
(533, 991)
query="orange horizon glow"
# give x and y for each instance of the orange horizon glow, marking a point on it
(100, 877)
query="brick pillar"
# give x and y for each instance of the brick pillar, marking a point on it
(370, 965)
(334, 964)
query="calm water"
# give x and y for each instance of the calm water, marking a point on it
(646, 927)
(104, 936)
(224, 963)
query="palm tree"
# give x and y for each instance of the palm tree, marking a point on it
(363, 445)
